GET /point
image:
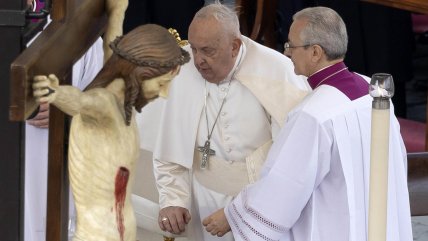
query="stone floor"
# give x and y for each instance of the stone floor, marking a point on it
(143, 235)
(420, 228)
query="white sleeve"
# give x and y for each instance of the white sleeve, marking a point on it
(173, 183)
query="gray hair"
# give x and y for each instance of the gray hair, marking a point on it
(224, 14)
(326, 28)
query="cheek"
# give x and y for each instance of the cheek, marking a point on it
(150, 87)
(298, 66)
(164, 90)
(220, 65)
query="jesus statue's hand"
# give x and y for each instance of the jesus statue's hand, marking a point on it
(44, 88)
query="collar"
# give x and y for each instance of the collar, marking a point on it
(315, 79)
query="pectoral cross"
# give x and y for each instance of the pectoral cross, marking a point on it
(206, 153)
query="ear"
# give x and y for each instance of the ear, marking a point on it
(236, 43)
(317, 53)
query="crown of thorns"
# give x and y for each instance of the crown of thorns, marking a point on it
(184, 58)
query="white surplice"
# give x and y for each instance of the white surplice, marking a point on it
(315, 182)
(36, 152)
(262, 90)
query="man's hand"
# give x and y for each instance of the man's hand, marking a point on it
(216, 223)
(41, 120)
(173, 219)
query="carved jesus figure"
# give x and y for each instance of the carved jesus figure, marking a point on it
(104, 141)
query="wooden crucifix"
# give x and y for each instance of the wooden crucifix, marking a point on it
(75, 27)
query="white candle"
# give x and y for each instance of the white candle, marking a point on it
(378, 174)
(382, 89)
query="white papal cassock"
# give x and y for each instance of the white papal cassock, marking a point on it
(315, 182)
(260, 90)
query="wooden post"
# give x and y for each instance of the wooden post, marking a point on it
(75, 27)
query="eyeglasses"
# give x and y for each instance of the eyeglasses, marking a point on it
(288, 47)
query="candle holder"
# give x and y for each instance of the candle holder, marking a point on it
(381, 89)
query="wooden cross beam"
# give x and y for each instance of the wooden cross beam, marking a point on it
(418, 6)
(60, 45)
(75, 27)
